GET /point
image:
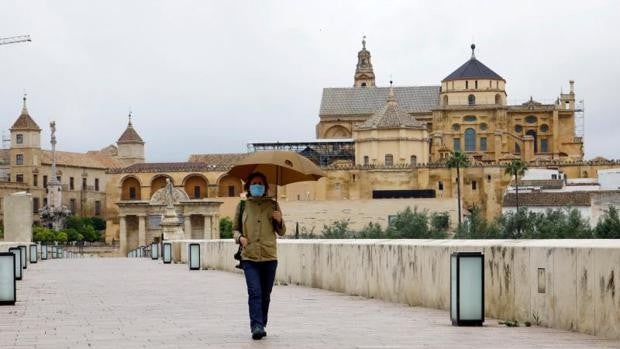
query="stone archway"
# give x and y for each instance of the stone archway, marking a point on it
(130, 188)
(159, 182)
(229, 186)
(337, 131)
(195, 186)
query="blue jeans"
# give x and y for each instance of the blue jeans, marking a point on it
(259, 277)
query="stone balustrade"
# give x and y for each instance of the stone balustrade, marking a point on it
(566, 284)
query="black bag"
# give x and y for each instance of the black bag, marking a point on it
(237, 255)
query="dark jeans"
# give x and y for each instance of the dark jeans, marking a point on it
(259, 277)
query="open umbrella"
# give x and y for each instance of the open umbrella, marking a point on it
(280, 167)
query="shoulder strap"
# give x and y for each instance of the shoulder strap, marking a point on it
(241, 208)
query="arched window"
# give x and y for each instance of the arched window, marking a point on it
(414, 160)
(445, 100)
(389, 160)
(466, 84)
(471, 99)
(534, 135)
(498, 99)
(517, 148)
(470, 139)
(469, 118)
(363, 84)
(531, 119)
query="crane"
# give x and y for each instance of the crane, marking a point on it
(14, 39)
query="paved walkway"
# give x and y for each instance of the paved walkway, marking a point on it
(139, 303)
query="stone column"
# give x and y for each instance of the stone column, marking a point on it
(142, 230)
(555, 128)
(123, 235)
(215, 226)
(187, 226)
(528, 148)
(207, 230)
(498, 145)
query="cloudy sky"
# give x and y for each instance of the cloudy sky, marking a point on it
(210, 76)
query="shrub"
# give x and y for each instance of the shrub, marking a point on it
(371, 231)
(608, 226)
(226, 225)
(337, 230)
(440, 224)
(409, 224)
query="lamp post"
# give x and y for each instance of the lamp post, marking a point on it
(33, 253)
(193, 258)
(43, 252)
(24, 256)
(167, 253)
(18, 262)
(8, 285)
(467, 288)
(154, 250)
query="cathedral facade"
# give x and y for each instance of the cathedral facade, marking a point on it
(468, 111)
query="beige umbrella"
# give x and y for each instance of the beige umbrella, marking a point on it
(280, 167)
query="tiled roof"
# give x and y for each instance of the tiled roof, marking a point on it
(224, 161)
(130, 136)
(367, 100)
(548, 199)
(88, 160)
(391, 116)
(164, 167)
(543, 183)
(25, 122)
(473, 69)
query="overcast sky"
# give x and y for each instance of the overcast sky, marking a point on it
(210, 76)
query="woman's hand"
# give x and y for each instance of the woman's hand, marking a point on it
(243, 241)
(277, 216)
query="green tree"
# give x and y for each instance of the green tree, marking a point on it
(440, 224)
(337, 230)
(97, 223)
(226, 225)
(608, 226)
(458, 160)
(409, 224)
(371, 231)
(515, 169)
(62, 237)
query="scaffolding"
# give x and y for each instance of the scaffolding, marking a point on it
(321, 152)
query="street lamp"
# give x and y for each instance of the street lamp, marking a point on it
(167, 254)
(8, 285)
(43, 252)
(18, 262)
(154, 250)
(194, 256)
(467, 288)
(24, 256)
(33, 253)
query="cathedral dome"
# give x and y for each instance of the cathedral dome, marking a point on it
(473, 69)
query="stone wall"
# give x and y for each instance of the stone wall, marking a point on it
(568, 284)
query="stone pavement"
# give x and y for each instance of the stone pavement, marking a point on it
(140, 303)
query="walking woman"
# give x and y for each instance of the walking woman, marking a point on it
(257, 221)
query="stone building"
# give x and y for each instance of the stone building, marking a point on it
(468, 111)
(82, 175)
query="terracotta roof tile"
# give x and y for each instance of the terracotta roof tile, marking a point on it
(581, 198)
(25, 122)
(130, 136)
(224, 160)
(91, 159)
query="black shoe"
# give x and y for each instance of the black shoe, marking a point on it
(258, 332)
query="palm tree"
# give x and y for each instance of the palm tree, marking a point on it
(458, 160)
(515, 169)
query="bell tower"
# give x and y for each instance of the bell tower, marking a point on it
(364, 74)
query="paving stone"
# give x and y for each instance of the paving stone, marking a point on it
(140, 303)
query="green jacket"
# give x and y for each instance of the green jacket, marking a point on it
(259, 229)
